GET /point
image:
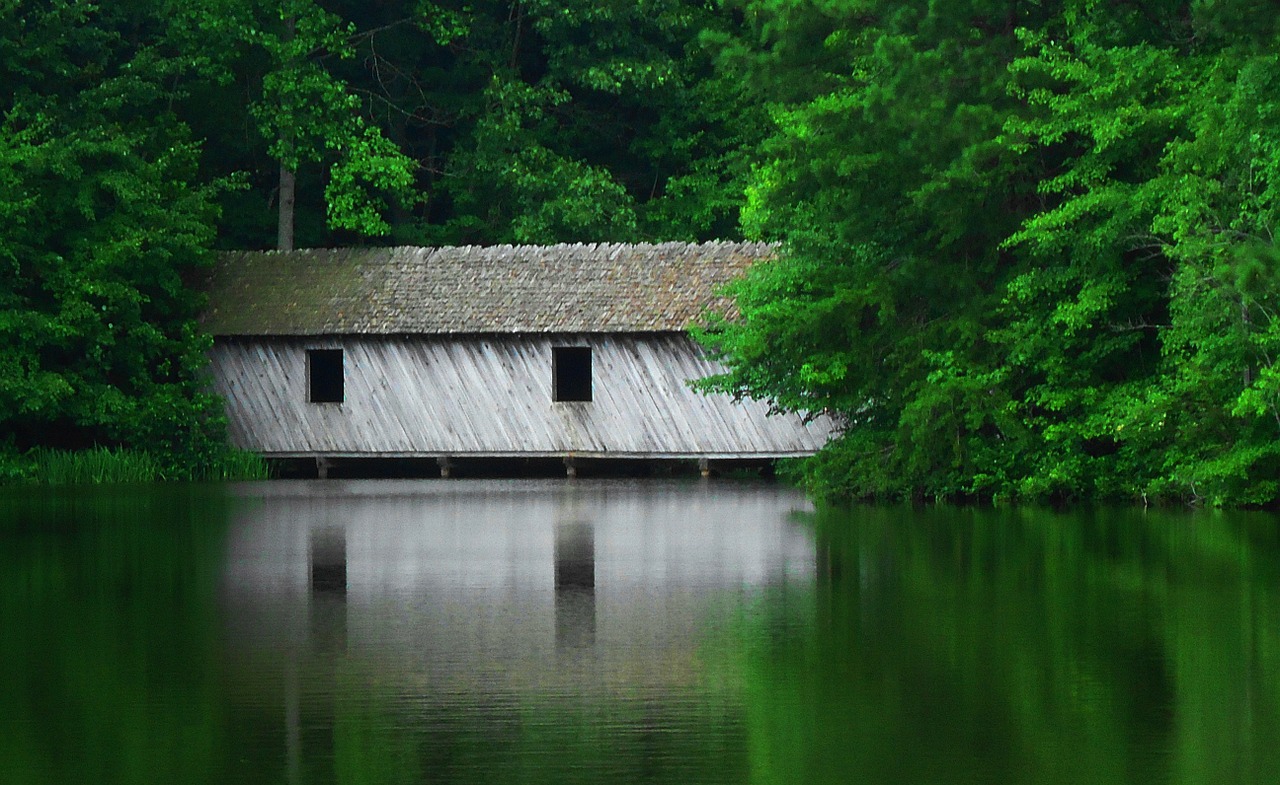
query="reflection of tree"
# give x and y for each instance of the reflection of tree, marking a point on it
(531, 739)
(1018, 646)
(108, 639)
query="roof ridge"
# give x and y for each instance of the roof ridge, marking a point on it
(717, 243)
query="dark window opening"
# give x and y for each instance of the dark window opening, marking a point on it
(324, 375)
(571, 373)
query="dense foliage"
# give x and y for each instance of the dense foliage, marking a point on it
(442, 122)
(1027, 248)
(101, 212)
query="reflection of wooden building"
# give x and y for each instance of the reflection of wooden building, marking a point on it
(504, 585)
(563, 351)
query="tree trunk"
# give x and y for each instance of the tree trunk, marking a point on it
(288, 187)
(288, 178)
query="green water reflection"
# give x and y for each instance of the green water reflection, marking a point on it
(108, 637)
(962, 646)
(916, 646)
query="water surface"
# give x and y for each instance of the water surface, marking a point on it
(625, 632)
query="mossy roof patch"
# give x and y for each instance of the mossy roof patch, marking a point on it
(474, 289)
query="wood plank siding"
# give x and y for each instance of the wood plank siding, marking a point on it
(491, 396)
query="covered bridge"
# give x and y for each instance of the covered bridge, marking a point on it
(567, 351)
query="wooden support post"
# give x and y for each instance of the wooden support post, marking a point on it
(570, 468)
(704, 467)
(322, 467)
(446, 466)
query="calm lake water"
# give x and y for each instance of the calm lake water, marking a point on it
(627, 632)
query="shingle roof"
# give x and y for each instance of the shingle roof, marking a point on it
(472, 289)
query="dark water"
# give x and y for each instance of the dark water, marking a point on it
(526, 632)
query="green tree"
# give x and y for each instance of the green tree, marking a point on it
(524, 122)
(886, 182)
(101, 215)
(274, 65)
(1145, 321)
(599, 121)
(1027, 250)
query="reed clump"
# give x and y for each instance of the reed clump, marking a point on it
(238, 465)
(105, 465)
(95, 466)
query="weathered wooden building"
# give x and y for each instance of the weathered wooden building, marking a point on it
(568, 351)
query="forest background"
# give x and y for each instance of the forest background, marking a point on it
(1026, 248)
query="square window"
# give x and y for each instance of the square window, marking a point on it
(571, 373)
(324, 376)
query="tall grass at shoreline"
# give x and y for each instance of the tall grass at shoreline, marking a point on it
(102, 465)
(96, 466)
(239, 465)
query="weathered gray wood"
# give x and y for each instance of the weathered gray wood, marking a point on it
(469, 396)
